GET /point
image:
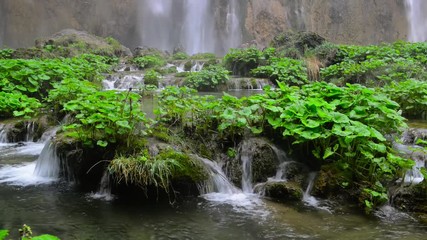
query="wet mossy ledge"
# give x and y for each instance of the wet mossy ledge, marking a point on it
(337, 110)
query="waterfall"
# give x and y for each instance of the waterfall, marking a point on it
(3, 133)
(157, 23)
(170, 24)
(414, 176)
(417, 17)
(233, 28)
(199, 27)
(217, 181)
(307, 198)
(219, 190)
(246, 155)
(29, 131)
(48, 163)
(104, 190)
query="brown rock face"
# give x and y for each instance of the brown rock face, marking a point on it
(355, 21)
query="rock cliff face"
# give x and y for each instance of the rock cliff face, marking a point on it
(355, 21)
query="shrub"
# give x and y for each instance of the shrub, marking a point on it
(208, 78)
(149, 61)
(151, 77)
(286, 70)
(242, 61)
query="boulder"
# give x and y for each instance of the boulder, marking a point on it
(284, 191)
(71, 42)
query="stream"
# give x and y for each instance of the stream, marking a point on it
(56, 207)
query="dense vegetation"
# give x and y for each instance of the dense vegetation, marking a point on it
(332, 105)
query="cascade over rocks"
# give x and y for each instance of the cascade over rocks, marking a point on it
(264, 161)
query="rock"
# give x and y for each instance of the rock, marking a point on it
(410, 198)
(411, 135)
(77, 42)
(327, 182)
(302, 41)
(284, 191)
(144, 51)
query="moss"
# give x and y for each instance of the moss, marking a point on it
(189, 167)
(161, 133)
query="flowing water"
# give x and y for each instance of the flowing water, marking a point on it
(417, 17)
(189, 25)
(223, 212)
(31, 193)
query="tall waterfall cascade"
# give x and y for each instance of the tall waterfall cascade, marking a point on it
(189, 25)
(417, 18)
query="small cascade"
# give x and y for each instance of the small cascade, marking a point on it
(217, 181)
(413, 151)
(307, 198)
(247, 83)
(48, 163)
(417, 18)
(104, 190)
(29, 131)
(3, 134)
(218, 189)
(197, 67)
(124, 82)
(414, 176)
(246, 155)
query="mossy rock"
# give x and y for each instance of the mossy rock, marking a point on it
(300, 41)
(71, 42)
(327, 182)
(411, 198)
(147, 51)
(284, 191)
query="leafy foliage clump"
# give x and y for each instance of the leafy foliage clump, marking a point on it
(106, 117)
(286, 70)
(149, 61)
(242, 61)
(209, 78)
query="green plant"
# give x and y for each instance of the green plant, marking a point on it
(106, 117)
(149, 61)
(208, 78)
(146, 171)
(27, 234)
(411, 96)
(286, 70)
(151, 77)
(17, 105)
(180, 56)
(242, 61)
(6, 53)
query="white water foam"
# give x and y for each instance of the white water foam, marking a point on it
(42, 171)
(22, 175)
(219, 190)
(104, 190)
